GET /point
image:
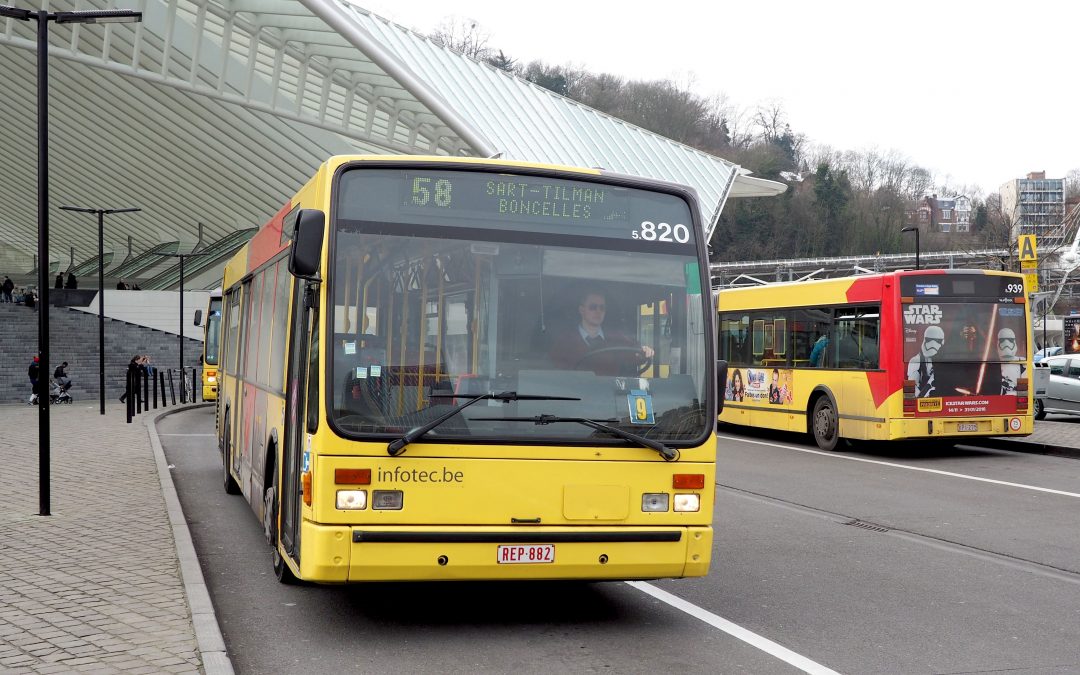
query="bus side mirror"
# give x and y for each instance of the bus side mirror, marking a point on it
(307, 244)
(721, 384)
(198, 317)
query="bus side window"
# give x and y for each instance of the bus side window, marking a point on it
(810, 337)
(857, 338)
(734, 339)
(768, 337)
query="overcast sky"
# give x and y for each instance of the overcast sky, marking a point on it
(976, 92)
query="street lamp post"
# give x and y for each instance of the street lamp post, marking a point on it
(43, 17)
(101, 286)
(916, 231)
(181, 256)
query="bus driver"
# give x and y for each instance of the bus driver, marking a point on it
(589, 347)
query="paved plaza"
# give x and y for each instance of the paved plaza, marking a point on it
(108, 583)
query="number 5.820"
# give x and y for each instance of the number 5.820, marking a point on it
(422, 192)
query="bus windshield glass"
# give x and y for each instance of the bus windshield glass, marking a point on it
(213, 326)
(540, 286)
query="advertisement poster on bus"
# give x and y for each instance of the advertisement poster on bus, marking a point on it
(759, 385)
(965, 358)
(1071, 335)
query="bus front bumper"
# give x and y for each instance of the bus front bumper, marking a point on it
(339, 554)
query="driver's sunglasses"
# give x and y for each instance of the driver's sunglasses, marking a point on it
(929, 340)
(593, 307)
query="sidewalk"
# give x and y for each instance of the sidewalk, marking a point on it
(1056, 435)
(99, 586)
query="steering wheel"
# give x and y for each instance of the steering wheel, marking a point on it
(644, 361)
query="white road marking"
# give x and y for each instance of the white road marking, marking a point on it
(939, 472)
(753, 639)
(187, 434)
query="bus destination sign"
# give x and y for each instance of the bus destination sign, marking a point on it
(492, 200)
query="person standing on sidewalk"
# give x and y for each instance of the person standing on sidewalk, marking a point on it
(134, 372)
(32, 372)
(6, 289)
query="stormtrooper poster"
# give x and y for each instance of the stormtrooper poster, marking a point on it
(965, 358)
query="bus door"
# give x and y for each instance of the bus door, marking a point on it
(234, 394)
(296, 414)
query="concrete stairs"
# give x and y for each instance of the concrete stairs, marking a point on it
(73, 337)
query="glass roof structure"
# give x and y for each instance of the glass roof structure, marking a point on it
(214, 112)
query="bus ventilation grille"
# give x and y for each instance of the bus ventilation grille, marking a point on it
(866, 526)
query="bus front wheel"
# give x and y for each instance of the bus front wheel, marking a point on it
(824, 424)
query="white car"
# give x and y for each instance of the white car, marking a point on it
(1062, 392)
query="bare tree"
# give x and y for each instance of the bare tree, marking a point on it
(463, 35)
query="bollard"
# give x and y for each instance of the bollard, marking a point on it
(161, 377)
(128, 400)
(194, 389)
(183, 386)
(153, 376)
(172, 388)
(146, 391)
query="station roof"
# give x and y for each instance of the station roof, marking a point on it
(209, 114)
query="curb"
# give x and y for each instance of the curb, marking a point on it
(215, 659)
(1032, 447)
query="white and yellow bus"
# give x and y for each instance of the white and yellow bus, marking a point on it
(397, 401)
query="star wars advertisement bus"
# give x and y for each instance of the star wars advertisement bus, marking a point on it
(930, 354)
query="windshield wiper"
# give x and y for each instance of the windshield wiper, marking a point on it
(669, 454)
(396, 447)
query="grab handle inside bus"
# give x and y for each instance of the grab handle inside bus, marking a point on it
(721, 384)
(198, 317)
(307, 246)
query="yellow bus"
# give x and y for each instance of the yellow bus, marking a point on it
(938, 355)
(447, 368)
(211, 343)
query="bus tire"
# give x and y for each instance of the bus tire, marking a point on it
(270, 507)
(1040, 409)
(228, 482)
(824, 424)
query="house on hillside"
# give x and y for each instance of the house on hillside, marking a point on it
(940, 214)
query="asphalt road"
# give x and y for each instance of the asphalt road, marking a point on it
(886, 560)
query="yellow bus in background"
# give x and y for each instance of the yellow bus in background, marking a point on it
(934, 355)
(211, 346)
(407, 391)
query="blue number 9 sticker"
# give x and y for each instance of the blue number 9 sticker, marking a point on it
(641, 409)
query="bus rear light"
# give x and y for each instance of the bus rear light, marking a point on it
(688, 481)
(351, 500)
(1022, 384)
(352, 476)
(687, 503)
(305, 484)
(1021, 402)
(654, 502)
(387, 500)
(909, 388)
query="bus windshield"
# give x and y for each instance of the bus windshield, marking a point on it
(429, 310)
(213, 326)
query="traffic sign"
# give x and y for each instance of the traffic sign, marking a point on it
(1026, 246)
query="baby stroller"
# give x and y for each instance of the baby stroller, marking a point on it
(58, 391)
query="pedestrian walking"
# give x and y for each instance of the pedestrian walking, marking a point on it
(32, 372)
(72, 282)
(59, 281)
(5, 290)
(134, 368)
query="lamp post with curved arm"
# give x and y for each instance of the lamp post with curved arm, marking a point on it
(43, 17)
(916, 231)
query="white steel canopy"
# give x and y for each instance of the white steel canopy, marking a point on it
(213, 112)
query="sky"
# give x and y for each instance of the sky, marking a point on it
(976, 92)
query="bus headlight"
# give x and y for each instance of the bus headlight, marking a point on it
(686, 502)
(387, 500)
(654, 502)
(351, 500)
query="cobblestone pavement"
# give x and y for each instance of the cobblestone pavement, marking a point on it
(96, 586)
